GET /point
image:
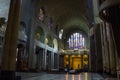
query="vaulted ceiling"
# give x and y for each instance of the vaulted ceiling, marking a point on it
(71, 15)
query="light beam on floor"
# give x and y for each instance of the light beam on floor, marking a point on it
(66, 76)
(72, 77)
(79, 77)
(86, 76)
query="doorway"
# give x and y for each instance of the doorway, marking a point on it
(48, 61)
(39, 58)
(19, 58)
(77, 63)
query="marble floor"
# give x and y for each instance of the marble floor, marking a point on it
(47, 76)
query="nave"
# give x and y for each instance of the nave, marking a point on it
(64, 76)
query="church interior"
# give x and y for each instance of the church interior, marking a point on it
(60, 37)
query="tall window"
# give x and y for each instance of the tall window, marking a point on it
(60, 34)
(76, 41)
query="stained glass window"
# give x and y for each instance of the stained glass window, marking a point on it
(76, 41)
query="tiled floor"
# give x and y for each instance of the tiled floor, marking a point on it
(46, 76)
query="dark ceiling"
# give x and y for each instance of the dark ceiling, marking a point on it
(69, 14)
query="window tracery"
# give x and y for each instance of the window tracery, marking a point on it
(76, 41)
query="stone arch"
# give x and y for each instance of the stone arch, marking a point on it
(39, 34)
(2, 21)
(3, 24)
(55, 44)
(48, 40)
(22, 31)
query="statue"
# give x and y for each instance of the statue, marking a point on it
(41, 14)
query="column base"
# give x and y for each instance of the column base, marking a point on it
(8, 75)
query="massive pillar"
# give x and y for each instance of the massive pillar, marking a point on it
(98, 45)
(92, 53)
(11, 37)
(110, 12)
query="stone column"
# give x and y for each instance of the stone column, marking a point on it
(102, 42)
(107, 63)
(52, 60)
(82, 61)
(116, 59)
(96, 54)
(57, 61)
(111, 49)
(44, 59)
(69, 61)
(104, 48)
(10, 44)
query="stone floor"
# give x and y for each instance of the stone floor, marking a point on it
(49, 76)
